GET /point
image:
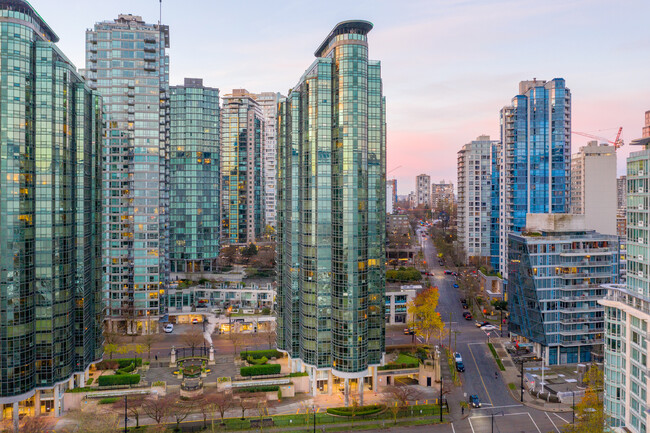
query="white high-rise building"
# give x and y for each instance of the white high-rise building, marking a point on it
(593, 186)
(423, 190)
(390, 194)
(268, 102)
(474, 196)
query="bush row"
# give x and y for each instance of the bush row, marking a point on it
(108, 400)
(263, 388)
(257, 361)
(255, 354)
(359, 411)
(259, 370)
(119, 379)
(398, 366)
(127, 369)
(114, 364)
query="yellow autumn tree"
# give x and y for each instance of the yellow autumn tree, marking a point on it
(424, 317)
(589, 411)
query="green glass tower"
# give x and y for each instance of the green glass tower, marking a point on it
(194, 185)
(331, 215)
(50, 218)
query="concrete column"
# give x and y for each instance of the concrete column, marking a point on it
(82, 379)
(330, 382)
(14, 416)
(87, 374)
(314, 381)
(71, 382)
(374, 378)
(347, 391)
(57, 407)
(37, 403)
(361, 383)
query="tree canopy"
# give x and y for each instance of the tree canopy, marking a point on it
(425, 319)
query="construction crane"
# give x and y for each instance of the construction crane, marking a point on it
(393, 169)
(617, 142)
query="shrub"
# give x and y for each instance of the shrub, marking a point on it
(266, 311)
(127, 369)
(279, 393)
(260, 353)
(109, 364)
(158, 383)
(262, 388)
(299, 374)
(125, 362)
(85, 389)
(90, 381)
(108, 400)
(360, 411)
(257, 361)
(259, 370)
(119, 379)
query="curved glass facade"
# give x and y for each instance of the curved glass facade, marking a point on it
(50, 212)
(331, 209)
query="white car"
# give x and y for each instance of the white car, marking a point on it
(169, 328)
(488, 327)
(457, 357)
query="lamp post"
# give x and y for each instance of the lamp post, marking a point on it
(573, 416)
(126, 420)
(440, 397)
(314, 410)
(493, 419)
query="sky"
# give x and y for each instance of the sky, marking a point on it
(448, 66)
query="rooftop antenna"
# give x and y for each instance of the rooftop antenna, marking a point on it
(160, 20)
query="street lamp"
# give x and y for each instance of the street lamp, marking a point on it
(498, 413)
(441, 397)
(314, 409)
(126, 420)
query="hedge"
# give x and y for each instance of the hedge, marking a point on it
(259, 370)
(90, 381)
(264, 388)
(260, 353)
(125, 362)
(119, 379)
(359, 411)
(398, 366)
(257, 361)
(114, 364)
(299, 374)
(127, 369)
(108, 400)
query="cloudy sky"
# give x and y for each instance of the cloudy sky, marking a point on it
(448, 65)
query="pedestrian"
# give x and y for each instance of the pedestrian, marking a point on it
(156, 357)
(496, 375)
(462, 410)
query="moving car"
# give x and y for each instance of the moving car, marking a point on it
(447, 272)
(409, 331)
(460, 367)
(474, 401)
(195, 321)
(481, 324)
(169, 328)
(488, 328)
(455, 285)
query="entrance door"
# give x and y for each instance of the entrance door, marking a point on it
(428, 381)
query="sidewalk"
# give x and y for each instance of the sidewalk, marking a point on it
(512, 374)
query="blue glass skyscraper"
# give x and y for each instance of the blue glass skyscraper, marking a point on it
(535, 160)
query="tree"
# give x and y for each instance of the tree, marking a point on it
(133, 407)
(397, 398)
(181, 409)
(426, 320)
(89, 422)
(36, 424)
(110, 349)
(249, 251)
(271, 337)
(158, 408)
(148, 341)
(193, 338)
(247, 404)
(218, 402)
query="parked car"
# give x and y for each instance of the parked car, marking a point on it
(467, 315)
(460, 366)
(409, 331)
(195, 321)
(448, 272)
(458, 357)
(488, 328)
(455, 285)
(455, 274)
(474, 401)
(169, 328)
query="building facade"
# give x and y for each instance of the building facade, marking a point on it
(535, 161)
(390, 197)
(50, 219)
(269, 104)
(475, 198)
(627, 307)
(555, 277)
(127, 64)
(594, 186)
(332, 215)
(423, 190)
(621, 209)
(442, 195)
(242, 193)
(195, 216)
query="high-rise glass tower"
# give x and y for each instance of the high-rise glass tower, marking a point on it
(332, 215)
(269, 103)
(127, 64)
(194, 179)
(535, 162)
(242, 193)
(50, 218)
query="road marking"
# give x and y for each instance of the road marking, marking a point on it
(549, 418)
(479, 374)
(470, 424)
(534, 423)
(453, 430)
(502, 407)
(561, 418)
(505, 414)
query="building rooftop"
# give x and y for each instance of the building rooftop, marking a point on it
(23, 6)
(350, 26)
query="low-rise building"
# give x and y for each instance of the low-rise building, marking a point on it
(250, 296)
(556, 269)
(397, 302)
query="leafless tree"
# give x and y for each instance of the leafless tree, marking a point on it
(194, 338)
(89, 422)
(237, 340)
(397, 397)
(218, 402)
(247, 403)
(271, 337)
(148, 341)
(133, 407)
(181, 409)
(158, 408)
(36, 424)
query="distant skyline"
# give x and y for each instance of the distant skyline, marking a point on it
(448, 66)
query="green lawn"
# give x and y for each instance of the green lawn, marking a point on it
(512, 386)
(494, 353)
(406, 359)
